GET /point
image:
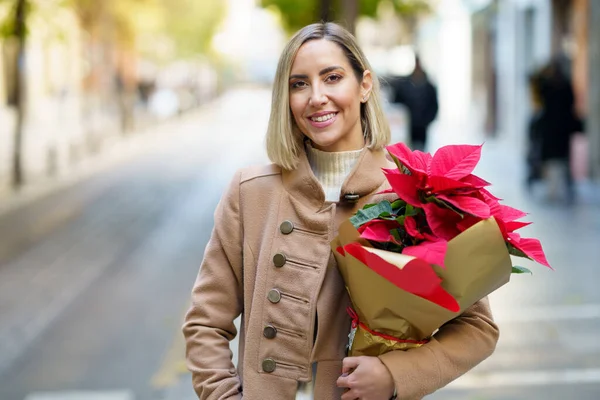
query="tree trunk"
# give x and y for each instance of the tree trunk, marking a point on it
(20, 90)
(350, 14)
(325, 13)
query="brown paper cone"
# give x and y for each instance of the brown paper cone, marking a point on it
(477, 263)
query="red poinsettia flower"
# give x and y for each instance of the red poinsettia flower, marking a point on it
(447, 175)
(378, 230)
(452, 198)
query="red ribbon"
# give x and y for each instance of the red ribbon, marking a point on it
(356, 323)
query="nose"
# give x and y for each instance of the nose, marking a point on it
(317, 96)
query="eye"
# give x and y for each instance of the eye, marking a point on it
(298, 84)
(333, 78)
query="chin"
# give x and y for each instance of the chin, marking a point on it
(324, 142)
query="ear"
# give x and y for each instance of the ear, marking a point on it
(366, 86)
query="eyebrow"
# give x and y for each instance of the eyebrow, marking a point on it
(322, 72)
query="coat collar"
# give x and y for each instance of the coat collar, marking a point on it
(363, 179)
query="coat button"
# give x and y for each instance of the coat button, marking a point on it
(270, 332)
(269, 365)
(352, 198)
(279, 260)
(274, 296)
(286, 227)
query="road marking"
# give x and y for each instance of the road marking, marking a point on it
(549, 313)
(77, 395)
(174, 365)
(526, 378)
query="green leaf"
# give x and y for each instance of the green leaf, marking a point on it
(513, 251)
(396, 234)
(520, 270)
(411, 211)
(401, 219)
(365, 215)
(398, 204)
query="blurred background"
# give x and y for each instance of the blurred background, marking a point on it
(122, 121)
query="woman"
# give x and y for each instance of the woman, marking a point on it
(269, 257)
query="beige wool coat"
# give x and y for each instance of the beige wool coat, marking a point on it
(269, 259)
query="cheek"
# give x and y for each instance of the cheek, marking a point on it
(297, 107)
(348, 98)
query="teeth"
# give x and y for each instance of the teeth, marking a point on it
(323, 117)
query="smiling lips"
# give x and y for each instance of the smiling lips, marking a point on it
(322, 119)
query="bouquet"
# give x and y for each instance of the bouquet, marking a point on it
(441, 243)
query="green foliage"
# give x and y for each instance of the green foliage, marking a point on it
(520, 270)
(191, 23)
(299, 13)
(8, 20)
(372, 212)
(188, 25)
(295, 13)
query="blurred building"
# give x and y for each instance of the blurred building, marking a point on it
(512, 38)
(53, 67)
(85, 87)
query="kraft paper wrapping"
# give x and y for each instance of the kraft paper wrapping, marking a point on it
(477, 263)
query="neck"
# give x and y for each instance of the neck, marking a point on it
(331, 168)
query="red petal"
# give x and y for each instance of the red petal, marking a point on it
(405, 186)
(492, 202)
(475, 181)
(379, 231)
(531, 247)
(455, 161)
(406, 157)
(410, 225)
(416, 277)
(502, 227)
(442, 221)
(432, 252)
(470, 205)
(386, 191)
(440, 184)
(512, 226)
(508, 214)
(422, 161)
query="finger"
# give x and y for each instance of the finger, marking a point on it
(342, 381)
(350, 395)
(350, 363)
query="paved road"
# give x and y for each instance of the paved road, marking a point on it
(94, 279)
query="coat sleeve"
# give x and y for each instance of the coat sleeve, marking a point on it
(217, 299)
(457, 347)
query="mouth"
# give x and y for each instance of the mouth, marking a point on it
(322, 117)
(322, 120)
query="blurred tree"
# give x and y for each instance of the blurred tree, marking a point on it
(299, 13)
(191, 24)
(14, 31)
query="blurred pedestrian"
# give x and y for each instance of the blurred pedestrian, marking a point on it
(552, 125)
(419, 95)
(269, 257)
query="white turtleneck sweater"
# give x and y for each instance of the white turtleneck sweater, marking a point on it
(331, 169)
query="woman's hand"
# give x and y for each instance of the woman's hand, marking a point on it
(366, 379)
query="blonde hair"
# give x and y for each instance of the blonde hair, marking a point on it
(284, 140)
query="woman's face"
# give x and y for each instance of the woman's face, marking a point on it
(325, 96)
